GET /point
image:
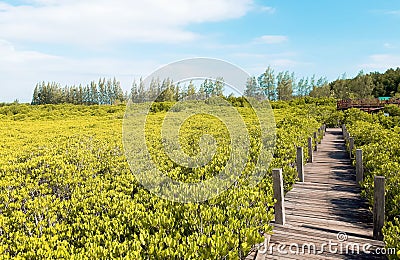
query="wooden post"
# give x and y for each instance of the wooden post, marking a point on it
(315, 141)
(320, 135)
(299, 161)
(324, 129)
(344, 130)
(359, 166)
(278, 195)
(351, 147)
(310, 150)
(379, 206)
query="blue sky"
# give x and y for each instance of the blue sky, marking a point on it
(76, 41)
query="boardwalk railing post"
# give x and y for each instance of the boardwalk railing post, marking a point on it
(278, 195)
(345, 133)
(379, 206)
(310, 150)
(320, 135)
(299, 161)
(316, 141)
(324, 129)
(351, 147)
(359, 166)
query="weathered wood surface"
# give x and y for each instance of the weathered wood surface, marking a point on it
(379, 206)
(327, 203)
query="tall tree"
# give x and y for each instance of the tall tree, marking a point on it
(191, 90)
(35, 98)
(267, 83)
(252, 89)
(94, 95)
(218, 88)
(284, 86)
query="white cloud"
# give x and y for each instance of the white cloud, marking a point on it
(382, 62)
(21, 70)
(103, 21)
(271, 39)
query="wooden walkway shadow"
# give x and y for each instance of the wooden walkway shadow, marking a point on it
(325, 216)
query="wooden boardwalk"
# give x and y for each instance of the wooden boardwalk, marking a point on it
(325, 209)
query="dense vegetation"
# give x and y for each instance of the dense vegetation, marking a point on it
(66, 189)
(101, 93)
(374, 84)
(379, 138)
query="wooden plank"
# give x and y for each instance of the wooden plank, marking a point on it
(339, 226)
(326, 234)
(327, 202)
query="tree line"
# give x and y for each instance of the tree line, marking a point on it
(167, 90)
(96, 93)
(281, 86)
(108, 92)
(268, 85)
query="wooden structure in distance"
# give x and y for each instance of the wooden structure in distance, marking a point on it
(367, 105)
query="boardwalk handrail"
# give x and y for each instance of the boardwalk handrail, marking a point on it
(379, 186)
(277, 179)
(315, 210)
(369, 104)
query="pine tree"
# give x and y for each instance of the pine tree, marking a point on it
(267, 83)
(252, 89)
(201, 94)
(141, 91)
(134, 93)
(218, 88)
(285, 86)
(35, 98)
(102, 93)
(94, 94)
(191, 91)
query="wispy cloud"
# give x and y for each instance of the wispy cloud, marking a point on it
(271, 39)
(393, 12)
(94, 22)
(285, 63)
(381, 62)
(25, 68)
(266, 9)
(277, 55)
(9, 55)
(385, 11)
(389, 46)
